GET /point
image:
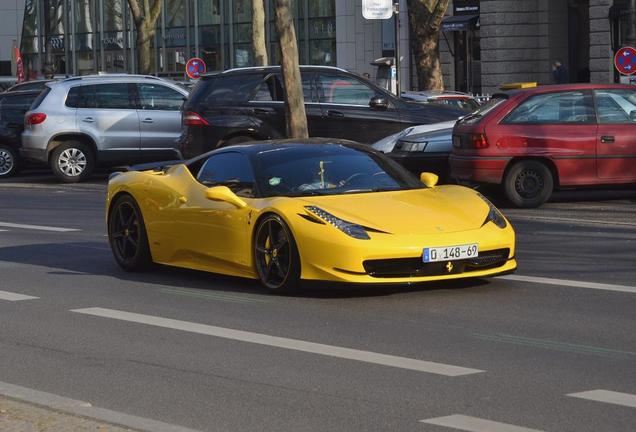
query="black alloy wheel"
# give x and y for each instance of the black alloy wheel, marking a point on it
(528, 184)
(127, 235)
(276, 255)
(9, 161)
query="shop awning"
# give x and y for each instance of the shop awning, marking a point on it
(460, 22)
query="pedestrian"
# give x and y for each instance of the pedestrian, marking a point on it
(559, 72)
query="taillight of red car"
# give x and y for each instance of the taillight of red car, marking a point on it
(479, 141)
(191, 118)
(35, 118)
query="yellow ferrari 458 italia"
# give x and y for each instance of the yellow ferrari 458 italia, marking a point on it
(287, 211)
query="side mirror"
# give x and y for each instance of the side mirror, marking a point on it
(225, 194)
(429, 179)
(379, 103)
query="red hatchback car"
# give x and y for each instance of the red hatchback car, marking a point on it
(535, 140)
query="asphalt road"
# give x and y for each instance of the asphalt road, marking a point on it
(552, 348)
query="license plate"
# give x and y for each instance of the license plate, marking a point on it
(450, 253)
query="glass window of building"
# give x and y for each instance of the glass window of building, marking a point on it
(209, 18)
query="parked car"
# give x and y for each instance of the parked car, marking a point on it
(421, 148)
(459, 100)
(111, 119)
(13, 106)
(535, 140)
(30, 85)
(6, 82)
(247, 104)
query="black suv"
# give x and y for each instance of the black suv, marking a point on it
(13, 106)
(247, 104)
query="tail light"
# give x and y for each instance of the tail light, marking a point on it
(35, 118)
(190, 118)
(479, 141)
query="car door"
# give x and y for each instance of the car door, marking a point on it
(107, 113)
(159, 111)
(346, 112)
(616, 136)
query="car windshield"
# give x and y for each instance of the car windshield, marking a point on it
(480, 112)
(328, 170)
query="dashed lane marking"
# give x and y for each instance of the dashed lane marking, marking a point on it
(474, 424)
(37, 227)
(285, 343)
(9, 296)
(570, 283)
(606, 396)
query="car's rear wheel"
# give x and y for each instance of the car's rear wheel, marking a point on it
(528, 184)
(276, 255)
(9, 161)
(72, 161)
(127, 235)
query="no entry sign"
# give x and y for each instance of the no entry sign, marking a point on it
(195, 67)
(625, 60)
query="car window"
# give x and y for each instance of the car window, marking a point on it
(228, 169)
(226, 89)
(159, 97)
(272, 89)
(108, 96)
(344, 90)
(551, 108)
(616, 106)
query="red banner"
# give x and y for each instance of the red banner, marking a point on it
(19, 69)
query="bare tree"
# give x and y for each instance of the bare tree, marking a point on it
(294, 100)
(258, 33)
(145, 17)
(425, 22)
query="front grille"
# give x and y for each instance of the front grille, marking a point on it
(415, 267)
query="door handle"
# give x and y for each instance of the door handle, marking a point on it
(147, 120)
(88, 119)
(332, 113)
(607, 139)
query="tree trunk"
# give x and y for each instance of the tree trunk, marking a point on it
(294, 100)
(258, 33)
(145, 18)
(144, 63)
(425, 21)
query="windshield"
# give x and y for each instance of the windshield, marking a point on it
(328, 170)
(480, 112)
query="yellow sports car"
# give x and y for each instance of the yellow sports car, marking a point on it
(286, 211)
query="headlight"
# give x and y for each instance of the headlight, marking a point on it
(494, 215)
(411, 146)
(351, 229)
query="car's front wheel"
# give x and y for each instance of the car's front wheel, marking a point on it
(72, 161)
(528, 184)
(276, 255)
(9, 161)
(127, 235)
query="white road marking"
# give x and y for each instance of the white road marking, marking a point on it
(9, 296)
(37, 227)
(570, 283)
(572, 220)
(86, 409)
(610, 397)
(280, 342)
(474, 424)
(1, 230)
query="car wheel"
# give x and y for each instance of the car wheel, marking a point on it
(528, 184)
(72, 161)
(127, 235)
(276, 255)
(237, 140)
(9, 161)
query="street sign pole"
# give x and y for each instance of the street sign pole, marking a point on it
(396, 15)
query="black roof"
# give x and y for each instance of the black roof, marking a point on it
(270, 69)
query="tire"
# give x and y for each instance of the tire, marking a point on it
(237, 140)
(127, 235)
(278, 265)
(72, 161)
(528, 184)
(9, 161)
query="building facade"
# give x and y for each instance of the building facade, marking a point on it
(483, 43)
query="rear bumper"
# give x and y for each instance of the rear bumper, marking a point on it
(478, 169)
(34, 155)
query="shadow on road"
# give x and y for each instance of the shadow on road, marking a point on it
(94, 258)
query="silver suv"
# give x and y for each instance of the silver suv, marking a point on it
(80, 122)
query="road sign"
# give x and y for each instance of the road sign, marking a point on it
(625, 60)
(195, 67)
(377, 9)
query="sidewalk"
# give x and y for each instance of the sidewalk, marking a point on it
(23, 417)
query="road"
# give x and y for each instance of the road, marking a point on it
(551, 348)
